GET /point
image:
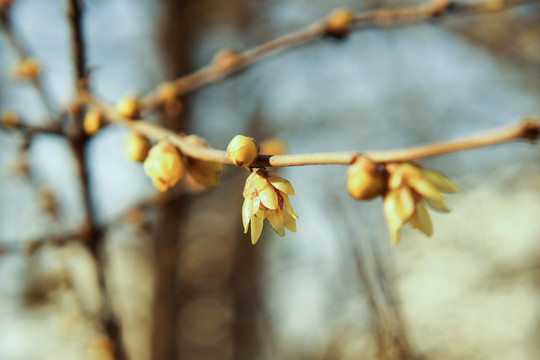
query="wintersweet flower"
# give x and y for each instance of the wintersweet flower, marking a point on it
(267, 197)
(203, 172)
(164, 165)
(410, 188)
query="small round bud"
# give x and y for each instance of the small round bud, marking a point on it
(273, 147)
(136, 147)
(27, 68)
(10, 119)
(129, 107)
(227, 59)
(338, 22)
(93, 121)
(365, 179)
(242, 150)
(164, 165)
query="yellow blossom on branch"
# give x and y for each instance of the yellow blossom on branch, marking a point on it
(164, 165)
(203, 172)
(410, 188)
(267, 197)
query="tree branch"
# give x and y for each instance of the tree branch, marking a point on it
(430, 10)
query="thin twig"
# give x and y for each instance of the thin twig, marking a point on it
(78, 142)
(528, 129)
(430, 10)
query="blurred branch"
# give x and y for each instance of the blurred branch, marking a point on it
(430, 10)
(74, 14)
(78, 141)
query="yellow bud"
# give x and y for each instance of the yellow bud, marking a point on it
(227, 59)
(365, 180)
(242, 150)
(10, 118)
(93, 121)
(129, 107)
(164, 165)
(27, 68)
(273, 147)
(338, 21)
(136, 147)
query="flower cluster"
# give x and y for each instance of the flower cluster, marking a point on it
(410, 188)
(267, 197)
(203, 172)
(406, 190)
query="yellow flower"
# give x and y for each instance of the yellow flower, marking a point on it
(410, 188)
(267, 197)
(164, 165)
(204, 172)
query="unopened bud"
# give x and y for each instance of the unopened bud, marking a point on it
(27, 68)
(242, 150)
(136, 147)
(365, 179)
(164, 165)
(338, 21)
(129, 107)
(93, 121)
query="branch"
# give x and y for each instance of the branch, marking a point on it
(94, 238)
(74, 14)
(431, 10)
(528, 129)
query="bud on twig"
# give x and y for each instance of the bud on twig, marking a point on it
(129, 107)
(136, 147)
(242, 150)
(365, 179)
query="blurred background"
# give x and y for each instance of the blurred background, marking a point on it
(184, 280)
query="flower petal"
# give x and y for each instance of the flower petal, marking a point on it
(290, 223)
(259, 183)
(398, 207)
(247, 209)
(268, 197)
(256, 226)
(287, 207)
(439, 206)
(440, 181)
(421, 220)
(276, 221)
(281, 184)
(256, 205)
(425, 188)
